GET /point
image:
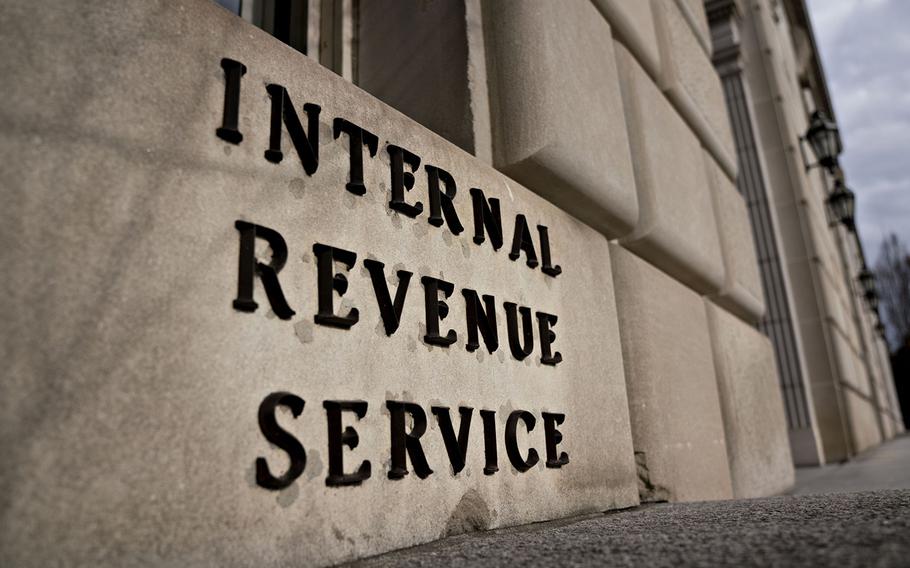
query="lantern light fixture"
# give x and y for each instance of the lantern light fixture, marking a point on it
(866, 280)
(823, 137)
(870, 292)
(872, 300)
(842, 204)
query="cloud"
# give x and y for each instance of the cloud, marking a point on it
(865, 49)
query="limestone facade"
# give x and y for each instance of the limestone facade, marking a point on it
(302, 282)
(836, 390)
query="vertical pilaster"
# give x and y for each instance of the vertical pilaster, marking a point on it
(725, 17)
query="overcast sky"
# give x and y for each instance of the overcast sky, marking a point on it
(865, 47)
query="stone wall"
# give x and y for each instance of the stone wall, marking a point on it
(234, 337)
(818, 260)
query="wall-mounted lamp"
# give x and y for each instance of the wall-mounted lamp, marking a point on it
(870, 292)
(880, 328)
(872, 300)
(866, 280)
(842, 204)
(824, 139)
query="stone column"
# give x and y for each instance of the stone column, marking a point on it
(725, 18)
(806, 245)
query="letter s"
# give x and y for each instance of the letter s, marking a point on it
(281, 438)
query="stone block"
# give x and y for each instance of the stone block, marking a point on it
(836, 312)
(140, 371)
(688, 78)
(807, 299)
(788, 214)
(633, 25)
(750, 400)
(677, 428)
(824, 247)
(742, 290)
(676, 230)
(863, 422)
(805, 447)
(851, 367)
(830, 418)
(694, 13)
(557, 115)
(887, 426)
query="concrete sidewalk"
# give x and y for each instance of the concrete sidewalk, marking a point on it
(824, 522)
(884, 467)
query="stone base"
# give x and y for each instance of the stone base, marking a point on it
(754, 421)
(677, 429)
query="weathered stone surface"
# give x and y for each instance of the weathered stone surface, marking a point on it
(676, 230)
(829, 408)
(690, 81)
(558, 124)
(694, 13)
(128, 408)
(753, 411)
(633, 25)
(742, 291)
(852, 370)
(863, 422)
(677, 429)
